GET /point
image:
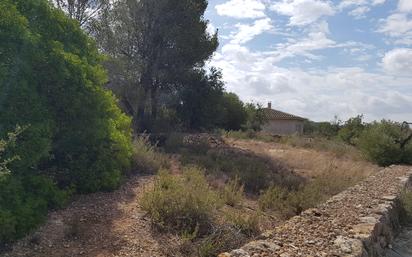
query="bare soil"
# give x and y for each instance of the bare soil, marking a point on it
(100, 225)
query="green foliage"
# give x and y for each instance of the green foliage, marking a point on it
(351, 130)
(322, 129)
(24, 202)
(182, 203)
(145, 156)
(199, 105)
(160, 56)
(4, 143)
(255, 117)
(380, 142)
(232, 193)
(234, 113)
(54, 83)
(75, 136)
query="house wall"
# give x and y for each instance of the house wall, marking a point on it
(283, 127)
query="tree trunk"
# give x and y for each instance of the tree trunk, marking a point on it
(154, 102)
(140, 121)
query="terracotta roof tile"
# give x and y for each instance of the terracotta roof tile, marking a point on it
(272, 114)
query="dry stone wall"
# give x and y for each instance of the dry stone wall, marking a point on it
(359, 222)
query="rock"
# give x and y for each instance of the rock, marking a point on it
(238, 253)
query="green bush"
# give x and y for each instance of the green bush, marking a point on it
(351, 130)
(24, 202)
(232, 193)
(380, 142)
(183, 203)
(76, 131)
(234, 113)
(75, 136)
(145, 156)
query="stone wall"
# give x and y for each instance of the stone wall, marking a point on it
(283, 127)
(361, 221)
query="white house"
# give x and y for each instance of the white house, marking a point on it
(281, 123)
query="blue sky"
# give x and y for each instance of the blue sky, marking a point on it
(318, 58)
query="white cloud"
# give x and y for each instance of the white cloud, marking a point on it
(247, 32)
(316, 94)
(211, 29)
(405, 5)
(359, 12)
(378, 2)
(350, 3)
(399, 27)
(316, 39)
(398, 61)
(303, 12)
(242, 9)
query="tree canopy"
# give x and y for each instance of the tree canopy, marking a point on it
(157, 42)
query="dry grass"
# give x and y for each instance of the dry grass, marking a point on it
(146, 158)
(311, 163)
(327, 174)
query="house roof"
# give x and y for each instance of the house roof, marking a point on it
(271, 114)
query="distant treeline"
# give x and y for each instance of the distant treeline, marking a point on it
(385, 142)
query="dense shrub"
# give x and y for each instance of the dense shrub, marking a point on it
(182, 203)
(75, 136)
(381, 143)
(234, 113)
(351, 130)
(52, 81)
(322, 129)
(24, 202)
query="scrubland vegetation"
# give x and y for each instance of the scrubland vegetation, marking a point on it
(76, 94)
(384, 143)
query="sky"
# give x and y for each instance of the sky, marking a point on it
(317, 58)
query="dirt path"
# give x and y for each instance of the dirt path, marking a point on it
(100, 225)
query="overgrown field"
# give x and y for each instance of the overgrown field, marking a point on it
(230, 191)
